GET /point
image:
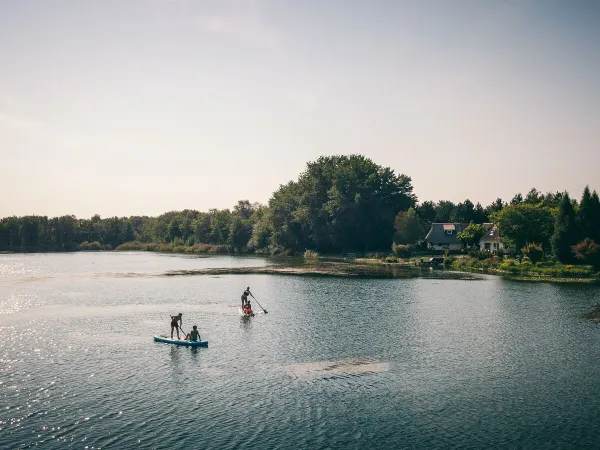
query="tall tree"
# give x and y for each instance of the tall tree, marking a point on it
(463, 212)
(426, 213)
(565, 231)
(472, 234)
(443, 211)
(524, 223)
(409, 228)
(585, 216)
(517, 199)
(533, 196)
(339, 204)
(596, 217)
(496, 206)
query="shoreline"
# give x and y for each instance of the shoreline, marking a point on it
(338, 266)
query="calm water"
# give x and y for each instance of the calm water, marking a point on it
(337, 363)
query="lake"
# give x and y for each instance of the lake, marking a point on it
(340, 363)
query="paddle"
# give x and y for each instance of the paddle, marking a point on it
(266, 312)
(184, 333)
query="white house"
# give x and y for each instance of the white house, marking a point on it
(490, 242)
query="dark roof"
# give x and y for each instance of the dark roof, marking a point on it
(492, 233)
(438, 235)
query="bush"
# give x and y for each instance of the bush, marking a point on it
(403, 251)
(533, 251)
(526, 266)
(588, 252)
(448, 262)
(479, 254)
(311, 256)
(509, 265)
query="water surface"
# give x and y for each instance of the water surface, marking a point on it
(336, 362)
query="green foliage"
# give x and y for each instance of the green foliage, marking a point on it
(566, 232)
(426, 212)
(403, 251)
(479, 254)
(471, 235)
(448, 261)
(533, 251)
(311, 257)
(85, 245)
(588, 252)
(409, 228)
(588, 215)
(522, 223)
(596, 217)
(173, 248)
(339, 204)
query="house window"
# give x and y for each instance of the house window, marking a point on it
(496, 246)
(486, 245)
(448, 231)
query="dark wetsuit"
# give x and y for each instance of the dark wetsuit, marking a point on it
(245, 297)
(175, 324)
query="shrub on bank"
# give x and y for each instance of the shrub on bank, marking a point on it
(88, 246)
(311, 256)
(403, 251)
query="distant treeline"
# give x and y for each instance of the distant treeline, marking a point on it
(338, 204)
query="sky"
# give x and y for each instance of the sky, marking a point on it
(139, 107)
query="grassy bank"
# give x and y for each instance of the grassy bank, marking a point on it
(390, 266)
(526, 270)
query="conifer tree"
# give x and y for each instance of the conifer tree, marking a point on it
(565, 231)
(595, 218)
(585, 216)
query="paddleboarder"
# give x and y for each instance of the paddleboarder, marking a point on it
(245, 297)
(193, 335)
(176, 323)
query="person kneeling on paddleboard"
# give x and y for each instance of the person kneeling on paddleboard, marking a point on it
(248, 308)
(175, 325)
(193, 335)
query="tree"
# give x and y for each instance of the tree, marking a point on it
(595, 216)
(517, 199)
(443, 211)
(523, 223)
(588, 252)
(585, 215)
(565, 231)
(479, 214)
(339, 204)
(496, 206)
(463, 212)
(426, 213)
(471, 235)
(409, 228)
(240, 232)
(533, 196)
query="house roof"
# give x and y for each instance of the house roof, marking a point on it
(492, 234)
(437, 234)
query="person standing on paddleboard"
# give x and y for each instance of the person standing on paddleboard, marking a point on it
(245, 296)
(175, 325)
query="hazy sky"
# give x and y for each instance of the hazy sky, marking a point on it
(123, 107)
